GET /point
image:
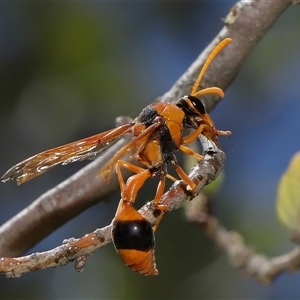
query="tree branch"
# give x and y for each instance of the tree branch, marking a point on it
(85, 188)
(80, 249)
(241, 256)
(246, 23)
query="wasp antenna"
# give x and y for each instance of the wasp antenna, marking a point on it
(208, 61)
(210, 90)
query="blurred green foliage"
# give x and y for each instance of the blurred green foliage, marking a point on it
(288, 196)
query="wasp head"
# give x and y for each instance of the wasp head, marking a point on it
(195, 112)
(196, 116)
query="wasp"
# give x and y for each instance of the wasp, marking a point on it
(156, 134)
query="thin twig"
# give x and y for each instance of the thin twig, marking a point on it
(241, 256)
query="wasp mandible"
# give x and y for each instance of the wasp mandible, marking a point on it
(156, 134)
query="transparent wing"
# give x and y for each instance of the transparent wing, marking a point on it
(87, 148)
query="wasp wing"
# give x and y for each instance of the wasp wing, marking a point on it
(87, 148)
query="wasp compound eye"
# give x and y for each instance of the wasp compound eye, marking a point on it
(198, 104)
(191, 105)
(184, 105)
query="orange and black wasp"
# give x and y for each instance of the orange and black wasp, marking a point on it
(156, 134)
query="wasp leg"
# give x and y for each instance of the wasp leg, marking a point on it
(171, 177)
(190, 138)
(159, 193)
(191, 184)
(134, 183)
(162, 208)
(190, 152)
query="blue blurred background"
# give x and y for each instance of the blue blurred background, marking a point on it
(68, 69)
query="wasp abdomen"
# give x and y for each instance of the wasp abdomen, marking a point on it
(139, 261)
(134, 241)
(136, 234)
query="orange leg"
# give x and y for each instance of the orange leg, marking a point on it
(134, 183)
(159, 192)
(158, 195)
(171, 177)
(184, 176)
(130, 189)
(193, 135)
(190, 152)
